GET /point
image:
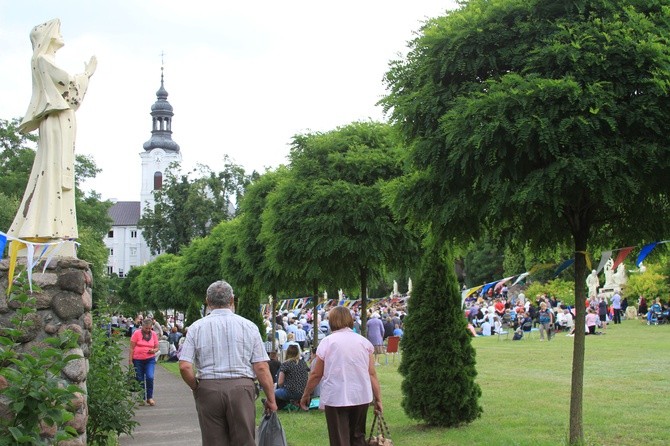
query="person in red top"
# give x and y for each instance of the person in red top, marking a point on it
(143, 349)
(499, 307)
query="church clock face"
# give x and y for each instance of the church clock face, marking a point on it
(158, 155)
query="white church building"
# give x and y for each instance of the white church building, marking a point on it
(127, 247)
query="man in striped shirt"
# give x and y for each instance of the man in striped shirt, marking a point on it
(228, 353)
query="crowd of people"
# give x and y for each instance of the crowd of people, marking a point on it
(290, 369)
(497, 313)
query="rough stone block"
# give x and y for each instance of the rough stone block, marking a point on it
(43, 280)
(70, 262)
(72, 281)
(77, 369)
(43, 300)
(67, 305)
(87, 299)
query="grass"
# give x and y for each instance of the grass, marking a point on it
(526, 394)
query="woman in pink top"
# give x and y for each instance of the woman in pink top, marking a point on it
(143, 349)
(345, 366)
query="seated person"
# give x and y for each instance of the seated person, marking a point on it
(592, 320)
(274, 366)
(526, 322)
(291, 341)
(486, 328)
(292, 378)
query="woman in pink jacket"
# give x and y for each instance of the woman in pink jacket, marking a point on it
(143, 349)
(345, 366)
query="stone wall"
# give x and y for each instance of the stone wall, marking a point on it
(64, 302)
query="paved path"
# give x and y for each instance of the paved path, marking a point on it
(172, 421)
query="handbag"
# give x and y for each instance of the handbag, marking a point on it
(270, 431)
(382, 437)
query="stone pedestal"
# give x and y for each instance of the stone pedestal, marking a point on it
(63, 302)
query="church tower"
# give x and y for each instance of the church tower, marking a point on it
(160, 151)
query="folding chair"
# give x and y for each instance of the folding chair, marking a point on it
(392, 347)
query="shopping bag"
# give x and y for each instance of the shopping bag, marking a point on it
(382, 437)
(270, 431)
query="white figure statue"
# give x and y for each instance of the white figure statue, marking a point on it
(609, 274)
(395, 288)
(47, 211)
(340, 294)
(619, 276)
(409, 286)
(592, 282)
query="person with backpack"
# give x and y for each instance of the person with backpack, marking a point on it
(546, 319)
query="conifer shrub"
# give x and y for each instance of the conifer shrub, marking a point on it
(438, 360)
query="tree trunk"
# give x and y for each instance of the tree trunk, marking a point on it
(364, 301)
(315, 311)
(576, 394)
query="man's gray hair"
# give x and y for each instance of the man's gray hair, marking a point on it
(220, 294)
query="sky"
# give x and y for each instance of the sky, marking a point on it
(243, 77)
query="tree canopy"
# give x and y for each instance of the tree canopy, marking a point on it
(326, 221)
(542, 120)
(186, 208)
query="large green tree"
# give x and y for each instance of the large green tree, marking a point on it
(326, 221)
(187, 207)
(545, 120)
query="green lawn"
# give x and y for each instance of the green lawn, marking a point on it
(525, 394)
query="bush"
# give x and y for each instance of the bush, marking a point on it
(650, 284)
(111, 402)
(564, 290)
(39, 400)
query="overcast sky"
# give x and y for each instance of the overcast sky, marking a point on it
(243, 76)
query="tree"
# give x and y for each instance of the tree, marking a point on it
(200, 266)
(438, 366)
(326, 221)
(157, 284)
(187, 208)
(541, 120)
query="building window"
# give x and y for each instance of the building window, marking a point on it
(111, 251)
(120, 273)
(133, 234)
(133, 252)
(110, 270)
(158, 180)
(110, 234)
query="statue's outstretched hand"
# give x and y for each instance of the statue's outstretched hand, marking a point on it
(91, 66)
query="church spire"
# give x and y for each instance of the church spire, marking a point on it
(161, 115)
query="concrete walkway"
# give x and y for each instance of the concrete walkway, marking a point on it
(172, 421)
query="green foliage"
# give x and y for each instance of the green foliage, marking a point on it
(93, 250)
(326, 221)
(111, 403)
(194, 311)
(650, 284)
(438, 365)
(128, 292)
(156, 286)
(36, 394)
(564, 290)
(483, 262)
(188, 208)
(200, 265)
